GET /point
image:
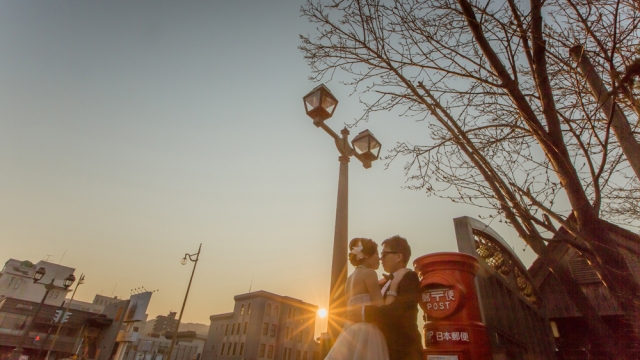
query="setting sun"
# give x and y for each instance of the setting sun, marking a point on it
(322, 313)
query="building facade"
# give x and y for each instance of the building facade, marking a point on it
(16, 281)
(105, 300)
(153, 348)
(165, 324)
(16, 314)
(89, 330)
(264, 326)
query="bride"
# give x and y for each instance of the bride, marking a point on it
(361, 340)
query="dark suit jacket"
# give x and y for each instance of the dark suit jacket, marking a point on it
(399, 320)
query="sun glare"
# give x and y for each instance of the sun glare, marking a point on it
(322, 313)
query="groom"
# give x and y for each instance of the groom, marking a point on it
(398, 320)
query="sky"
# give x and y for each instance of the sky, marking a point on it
(132, 132)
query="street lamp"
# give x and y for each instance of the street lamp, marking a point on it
(62, 316)
(193, 258)
(39, 274)
(320, 104)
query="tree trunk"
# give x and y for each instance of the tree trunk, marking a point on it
(619, 123)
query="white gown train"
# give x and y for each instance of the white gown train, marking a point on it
(361, 340)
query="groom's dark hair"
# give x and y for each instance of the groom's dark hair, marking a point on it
(399, 244)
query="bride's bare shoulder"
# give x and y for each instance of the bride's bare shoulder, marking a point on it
(363, 273)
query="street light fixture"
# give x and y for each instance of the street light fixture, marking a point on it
(39, 274)
(193, 258)
(367, 148)
(320, 105)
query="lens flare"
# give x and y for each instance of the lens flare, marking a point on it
(322, 313)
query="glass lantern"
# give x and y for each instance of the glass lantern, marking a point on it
(367, 147)
(320, 104)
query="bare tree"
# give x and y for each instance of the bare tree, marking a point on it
(513, 126)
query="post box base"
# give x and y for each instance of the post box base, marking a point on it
(444, 355)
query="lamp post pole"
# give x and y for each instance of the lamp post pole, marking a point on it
(62, 315)
(193, 258)
(320, 105)
(337, 297)
(17, 352)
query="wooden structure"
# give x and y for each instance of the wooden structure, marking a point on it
(512, 309)
(569, 329)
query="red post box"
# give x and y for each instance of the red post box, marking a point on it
(454, 328)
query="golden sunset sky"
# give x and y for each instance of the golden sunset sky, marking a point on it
(131, 132)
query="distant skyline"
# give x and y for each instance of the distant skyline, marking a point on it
(131, 132)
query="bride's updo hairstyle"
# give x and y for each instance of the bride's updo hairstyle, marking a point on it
(369, 247)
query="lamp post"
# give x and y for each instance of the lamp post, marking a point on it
(320, 104)
(39, 274)
(62, 316)
(193, 258)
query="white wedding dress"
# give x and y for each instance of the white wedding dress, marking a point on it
(361, 340)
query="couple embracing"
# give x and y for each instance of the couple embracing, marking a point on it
(382, 314)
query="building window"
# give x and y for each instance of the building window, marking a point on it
(297, 354)
(287, 333)
(305, 336)
(267, 309)
(265, 328)
(222, 350)
(299, 337)
(234, 348)
(244, 331)
(289, 313)
(226, 329)
(241, 349)
(289, 354)
(242, 309)
(261, 352)
(276, 310)
(229, 349)
(304, 356)
(270, 352)
(15, 282)
(238, 331)
(273, 330)
(233, 329)
(13, 321)
(249, 309)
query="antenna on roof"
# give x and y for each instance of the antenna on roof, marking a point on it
(251, 284)
(63, 254)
